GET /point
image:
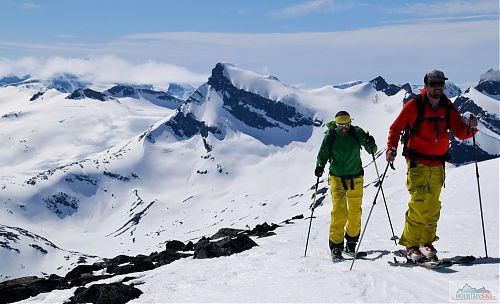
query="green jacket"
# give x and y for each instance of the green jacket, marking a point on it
(344, 153)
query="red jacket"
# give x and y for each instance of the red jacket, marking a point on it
(432, 139)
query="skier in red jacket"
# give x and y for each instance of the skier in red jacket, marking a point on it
(427, 120)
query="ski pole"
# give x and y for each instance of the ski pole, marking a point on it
(312, 212)
(369, 214)
(479, 189)
(394, 237)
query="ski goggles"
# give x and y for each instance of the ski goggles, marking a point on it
(344, 126)
(436, 84)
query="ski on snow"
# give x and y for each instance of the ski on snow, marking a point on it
(349, 256)
(430, 264)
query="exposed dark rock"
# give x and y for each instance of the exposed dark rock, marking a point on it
(39, 248)
(407, 87)
(205, 249)
(124, 264)
(23, 288)
(80, 270)
(116, 261)
(462, 153)
(240, 103)
(489, 82)
(82, 178)
(85, 279)
(174, 245)
(135, 266)
(263, 230)
(62, 204)
(225, 232)
(186, 126)
(119, 176)
(227, 241)
(165, 257)
(489, 87)
(491, 120)
(37, 95)
(122, 91)
(12, 115)
(88, 93)
(381, 85)
(116, 293)
(189, 246)
(392, 89)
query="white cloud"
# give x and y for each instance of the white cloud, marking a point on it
(105, 69)
(402, 53)
(29, 5)
(449, 8)
(493, 75)
(311, 6)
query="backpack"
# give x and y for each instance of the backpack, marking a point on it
(415, 128)
(332, 134)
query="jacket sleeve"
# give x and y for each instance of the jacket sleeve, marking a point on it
(362, 140)
(403, 120)
(324, 152)
(457, 125)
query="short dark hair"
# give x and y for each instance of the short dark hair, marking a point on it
(342, 113)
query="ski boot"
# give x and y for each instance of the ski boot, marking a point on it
(429, 252)
(414, 254)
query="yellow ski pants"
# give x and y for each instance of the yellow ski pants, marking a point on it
(346, 207)
(424, 185)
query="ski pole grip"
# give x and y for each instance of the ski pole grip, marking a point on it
(470, 117)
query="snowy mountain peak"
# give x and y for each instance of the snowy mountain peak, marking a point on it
(12, 80)
(381, 85)
(451, 90)
(348, 84)
(489, 83)
(181, 91)
(23, 247)
(491, 74)
(66, 83)
(234, 100)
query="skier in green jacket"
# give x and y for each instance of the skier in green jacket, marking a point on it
(341, 147)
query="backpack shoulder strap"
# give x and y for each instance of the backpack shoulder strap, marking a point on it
(447, 112)
(354, 134)
(420, 115)
(331, 136)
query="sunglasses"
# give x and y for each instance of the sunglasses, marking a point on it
(344, 126)
(436, 84)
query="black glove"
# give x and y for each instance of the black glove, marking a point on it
(370, 141)
(318, 171)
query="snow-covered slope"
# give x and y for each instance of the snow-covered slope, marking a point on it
(239, 151)
(482, 101)
(277, 270)
(21, 248)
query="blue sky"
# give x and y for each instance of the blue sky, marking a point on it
(302, 42)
